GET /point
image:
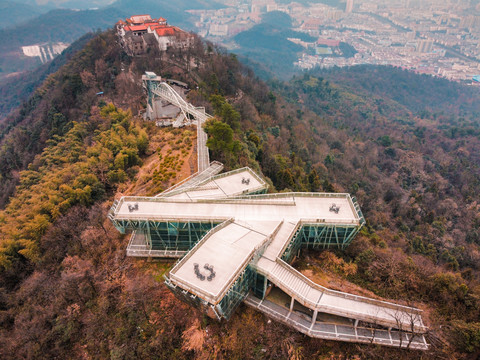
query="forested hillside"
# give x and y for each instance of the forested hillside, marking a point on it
(66, 286)
(421, 94)
(17, 88)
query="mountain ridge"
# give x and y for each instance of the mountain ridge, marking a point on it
(64, 277)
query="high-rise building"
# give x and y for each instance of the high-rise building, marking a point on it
(349, 7)
(424, 46)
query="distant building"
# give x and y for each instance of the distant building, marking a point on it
(218, 30)
(311, 25)
(328, 42)
(140, 32)
(424, 46)
(349, 6)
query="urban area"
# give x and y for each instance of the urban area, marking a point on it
(440, 38)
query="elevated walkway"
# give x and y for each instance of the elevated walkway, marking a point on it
(155, 87)
(335, 331)
(139, 246)
(286, 232)
(193, 180)
(235, 246)
(320, 299)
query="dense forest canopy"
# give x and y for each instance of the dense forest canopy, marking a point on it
(66, 286)
(421, 94)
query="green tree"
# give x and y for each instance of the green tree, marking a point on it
(221, 142)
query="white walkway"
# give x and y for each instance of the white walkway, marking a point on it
(256, 230)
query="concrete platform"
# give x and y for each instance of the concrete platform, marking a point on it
(227, 252)
(292, 207)
(230, 184)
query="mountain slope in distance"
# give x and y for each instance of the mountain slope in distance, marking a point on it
(13, 13)
(55, 26)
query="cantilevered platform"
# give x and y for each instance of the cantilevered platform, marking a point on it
(235, 246)
(304, 207)
(227, 251)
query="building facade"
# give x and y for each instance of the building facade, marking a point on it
(139, 33)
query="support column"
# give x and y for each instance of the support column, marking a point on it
(292, 303)
(314, 318)
(348, 237)
(148, 235)
(264, 287)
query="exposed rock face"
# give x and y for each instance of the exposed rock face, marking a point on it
(45, 52)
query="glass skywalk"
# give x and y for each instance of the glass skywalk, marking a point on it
(235, 243)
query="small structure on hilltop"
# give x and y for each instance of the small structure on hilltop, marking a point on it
(140, 33)
(165, 111)
(168, 107)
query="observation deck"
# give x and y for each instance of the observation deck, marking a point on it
(235, 244)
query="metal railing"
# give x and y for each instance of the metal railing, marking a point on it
(166, 92)
(308, 329)
(153, 218)
(214, 168)
(232, 200)
(156, 253)
(296, 194)
(113, 209)
(315, 305)
(196, 186)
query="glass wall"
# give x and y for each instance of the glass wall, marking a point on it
(319, 237)
(237, 292)
(177, 235)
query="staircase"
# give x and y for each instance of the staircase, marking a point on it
(321, 299)
(337, 331)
